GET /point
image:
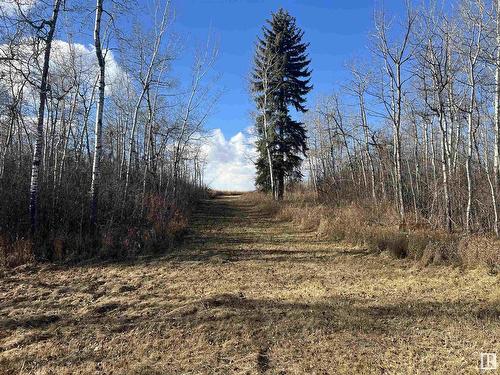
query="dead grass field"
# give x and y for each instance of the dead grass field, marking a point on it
(248, 295)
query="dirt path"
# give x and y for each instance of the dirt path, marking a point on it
(249, 295)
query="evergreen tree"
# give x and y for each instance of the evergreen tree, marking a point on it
(281, 79)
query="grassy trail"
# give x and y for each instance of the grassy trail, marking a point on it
(248, 295)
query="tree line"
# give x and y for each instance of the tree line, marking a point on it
(92, 137)
(417, 123)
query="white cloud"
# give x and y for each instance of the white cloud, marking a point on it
(229, 162)
(10, 7)
(62, 56)
(86, 62)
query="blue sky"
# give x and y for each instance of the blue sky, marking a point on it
(337, 30)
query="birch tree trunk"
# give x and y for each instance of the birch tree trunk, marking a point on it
(490, 183)
(397, 143)
(367, 145)
(37, 157)
(468, 165)
(265, 82)
(473, 33)
(94, 187)
(145, 86)
(496, 159)
(445, 169)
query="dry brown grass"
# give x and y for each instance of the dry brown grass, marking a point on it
(377, 228)
(480, 247)
(219, 193)
(248, 294)
(264, 203)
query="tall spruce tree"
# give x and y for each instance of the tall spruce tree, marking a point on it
(280, 80)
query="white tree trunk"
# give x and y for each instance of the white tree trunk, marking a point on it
(94, 187)
(37, 157)
(496, 159)
(145, 85)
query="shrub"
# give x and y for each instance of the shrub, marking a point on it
(177, 225)
(398, 245)
(439, 253)
(15, 253)
(417, 242)
(480, 250)
(109, 244)
(381, 239)
(166, 223)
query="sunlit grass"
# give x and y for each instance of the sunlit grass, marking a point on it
(249, 294)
